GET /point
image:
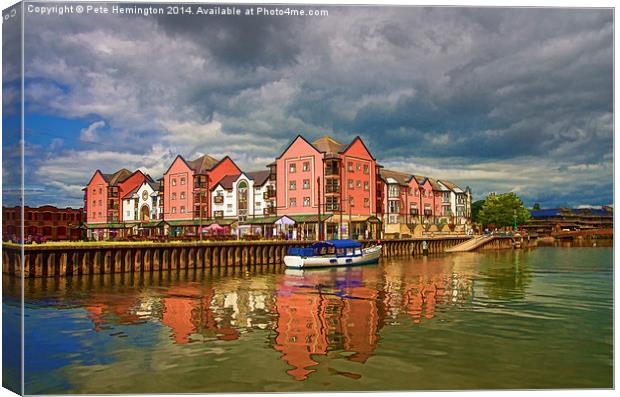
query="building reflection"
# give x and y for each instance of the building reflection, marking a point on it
(344, 309)
(191, 311)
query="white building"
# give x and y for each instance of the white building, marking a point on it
(243, 196)
(142, 203)
(460, 202)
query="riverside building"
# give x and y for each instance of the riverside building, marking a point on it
(320, 189)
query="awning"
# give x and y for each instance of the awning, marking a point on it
(107, 226)
(264, 220)
(309, 218)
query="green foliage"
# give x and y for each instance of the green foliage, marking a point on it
(536, 207)
(501, 209)
(476, 206)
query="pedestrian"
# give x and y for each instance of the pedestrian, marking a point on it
(424, 248)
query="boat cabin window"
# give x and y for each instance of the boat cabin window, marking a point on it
(358, 251)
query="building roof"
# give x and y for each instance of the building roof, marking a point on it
(227, 181)
(117, 177)
(328, 145)
(153, 185)
(399, 177)
(202, 164)
(420, 179)
(451, 186)
(259, 177)
(436, 185)
(132, 192)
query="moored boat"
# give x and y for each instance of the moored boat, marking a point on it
(332, 253)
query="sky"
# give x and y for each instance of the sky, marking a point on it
(497, 99)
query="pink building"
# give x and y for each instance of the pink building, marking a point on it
(187, 190)
(341, 179)
(102, 201)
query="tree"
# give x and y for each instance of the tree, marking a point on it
(536, 207)
(500, 210)
(476, 206)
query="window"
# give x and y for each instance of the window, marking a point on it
(292, 168)
(229, 206)
(306, 201)
(366, 169)
(306, 183)
(94, 202)
(350, 166)
(174, 182)
(393, 191)
(358, 184)
(174, 196)
(332, 203)
(258, 204)
(182, 182)
(182, 210)
(182, 195)
(413, 209)
(292, 185)
(174, 210)
(292, 202)
(393, 207)
(218, 214)
(99, 190)
(417, 192)
(366, 185)
(358, 166)
(127, 214)
(306, 166)
(350, 183)
(99, 202)
(366, 202)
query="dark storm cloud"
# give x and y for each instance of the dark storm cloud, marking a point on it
(240, 42)
(450, 92)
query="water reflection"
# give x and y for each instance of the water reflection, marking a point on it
(305, 317)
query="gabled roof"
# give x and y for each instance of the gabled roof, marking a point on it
(329, 145)
(227, 182)
(202, 164)
(420, 179)
(153, 185)
(451, 186)
(117, 177)
(290, 143)
(358, 138)
(132, 192)
(400, 177)
(436, 185)
(259, 177)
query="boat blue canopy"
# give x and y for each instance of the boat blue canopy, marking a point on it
(338, 244)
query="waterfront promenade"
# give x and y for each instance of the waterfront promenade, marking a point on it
(144, 257)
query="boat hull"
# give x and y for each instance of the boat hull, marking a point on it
(369, 256)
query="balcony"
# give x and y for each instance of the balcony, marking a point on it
(332, 189)
(218, 199)
(269, 211)
(269, 195)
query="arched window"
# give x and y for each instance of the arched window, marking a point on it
(242, 197)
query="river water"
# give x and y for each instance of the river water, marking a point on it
(525, 319)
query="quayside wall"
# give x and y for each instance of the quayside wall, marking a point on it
(81, 259)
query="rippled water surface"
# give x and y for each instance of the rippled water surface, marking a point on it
(537, 318)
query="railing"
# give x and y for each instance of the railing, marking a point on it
(218, 199)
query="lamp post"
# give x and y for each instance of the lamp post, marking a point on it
(350, 222)
(514, 216)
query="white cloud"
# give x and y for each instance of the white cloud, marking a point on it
(89, 134)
